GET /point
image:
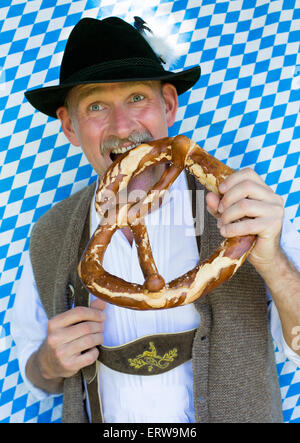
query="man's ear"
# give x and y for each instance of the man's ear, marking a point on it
(171, 102)
(67, 125)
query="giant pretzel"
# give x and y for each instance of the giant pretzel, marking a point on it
(181, 153)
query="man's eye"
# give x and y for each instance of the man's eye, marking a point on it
(96, 107)
(137, 98)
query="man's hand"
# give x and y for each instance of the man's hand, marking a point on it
(249, 206)
(70, 345)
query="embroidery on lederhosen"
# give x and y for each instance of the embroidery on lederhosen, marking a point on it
(151, 359)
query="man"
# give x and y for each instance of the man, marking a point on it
(114, 93)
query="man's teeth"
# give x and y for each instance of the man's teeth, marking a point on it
(122, 150)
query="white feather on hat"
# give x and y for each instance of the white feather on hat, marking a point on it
(160, 42)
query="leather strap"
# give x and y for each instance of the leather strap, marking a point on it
(149, 355)
(79, 296)
(93, 391)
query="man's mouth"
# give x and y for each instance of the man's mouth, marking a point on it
(115, 153)
(118, 146)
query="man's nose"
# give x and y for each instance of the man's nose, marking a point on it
(122, 122)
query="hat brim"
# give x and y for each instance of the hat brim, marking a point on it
(49, 99)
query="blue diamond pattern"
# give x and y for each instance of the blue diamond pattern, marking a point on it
(243, 105)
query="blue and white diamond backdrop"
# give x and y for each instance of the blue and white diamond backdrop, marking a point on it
(244, 110)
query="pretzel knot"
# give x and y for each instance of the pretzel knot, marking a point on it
(180, 152)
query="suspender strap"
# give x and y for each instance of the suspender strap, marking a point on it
(80, 297)
(93, 391)
(149, 355)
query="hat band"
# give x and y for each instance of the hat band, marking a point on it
(86, 73)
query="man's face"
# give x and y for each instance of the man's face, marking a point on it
(105, 119)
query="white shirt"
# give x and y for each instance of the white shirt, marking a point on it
(128, 398)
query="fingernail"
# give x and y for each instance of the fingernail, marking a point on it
(220, 208)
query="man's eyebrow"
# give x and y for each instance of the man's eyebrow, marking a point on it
(89, 91)
(101, 87)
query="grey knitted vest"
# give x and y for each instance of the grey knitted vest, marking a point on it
(235, 377)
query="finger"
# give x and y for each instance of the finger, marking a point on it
(82, 344)
(64, 336)
(213, 201)
(240, 176)
(98, 304)
(73, 316)
(87, 358)
(249, 208)
(248, 190)
(70, 365)
(258, 226)
(82, 329)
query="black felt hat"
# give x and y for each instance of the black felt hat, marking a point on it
(105, 51)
